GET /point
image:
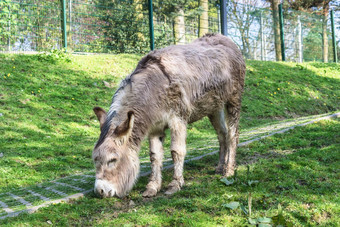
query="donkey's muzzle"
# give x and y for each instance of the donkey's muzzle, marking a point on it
(104, 189)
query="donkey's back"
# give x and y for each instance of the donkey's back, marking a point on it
(201, 77)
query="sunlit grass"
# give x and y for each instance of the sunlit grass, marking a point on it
(47, 116)
(296, 174)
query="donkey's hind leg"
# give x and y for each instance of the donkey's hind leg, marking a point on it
(233, 119)
(226, 124)
(156, 158)
(220, 126)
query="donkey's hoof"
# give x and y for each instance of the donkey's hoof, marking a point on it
(228, 172)
(219, 169)
(225, 171)
(150, 192)
(174, 186)
(172, 190)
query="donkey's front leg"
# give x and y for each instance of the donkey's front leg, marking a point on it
(156, 158)
(178, 130)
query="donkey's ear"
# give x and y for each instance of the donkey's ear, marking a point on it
(101, 115)
(125, 128)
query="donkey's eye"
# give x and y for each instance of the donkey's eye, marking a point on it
(112, 161)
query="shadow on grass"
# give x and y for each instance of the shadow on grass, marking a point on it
(47, 122)
(49, 128)
(302, 178)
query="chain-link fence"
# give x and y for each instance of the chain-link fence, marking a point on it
(107, 26)
(29, 26)
(304, 36)
(123, 26)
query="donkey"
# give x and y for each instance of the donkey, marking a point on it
(170, 88)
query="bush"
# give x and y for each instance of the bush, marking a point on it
(54, 56)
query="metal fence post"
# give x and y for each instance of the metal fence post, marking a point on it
(9, 29)
(70, 14)
(300, 40)
(333, 38)
(63, 23)
(283, 50)
(151, 29)
(219, 20)
(223, 9)
(261, 31)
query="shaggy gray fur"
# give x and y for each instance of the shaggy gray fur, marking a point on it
(170, 88)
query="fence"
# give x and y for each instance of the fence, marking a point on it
(129, 26)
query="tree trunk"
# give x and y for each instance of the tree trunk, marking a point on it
(275, 9)
(179, 27)
(9, 29)
(324, 33)
(139, 17)
(203, 18)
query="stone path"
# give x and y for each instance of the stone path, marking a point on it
(32, 198)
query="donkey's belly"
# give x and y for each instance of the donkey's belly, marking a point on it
(206, 106)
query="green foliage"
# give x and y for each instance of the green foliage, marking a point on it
(54, 56)
(127, 30)
(227, 182)
(29, 26)
(7, 20)
(6, 17)
(231, 205)
(112, 26)
(312, 50)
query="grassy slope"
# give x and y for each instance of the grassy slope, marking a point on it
(48, 128)
(297, 171)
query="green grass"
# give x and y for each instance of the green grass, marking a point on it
(48, 129)
(297, 174)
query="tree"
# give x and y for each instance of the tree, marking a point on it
(325, 14)
(242, 18)
(313, 5)
(182, 15)
(274, 4)
(7, 23)
(203, 18)
(26, 26)
(179, 25)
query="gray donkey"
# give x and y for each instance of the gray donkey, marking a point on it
(170, 88)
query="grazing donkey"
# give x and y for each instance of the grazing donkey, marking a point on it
(170, 88)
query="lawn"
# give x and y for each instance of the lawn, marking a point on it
(48, 128)
(292, 179)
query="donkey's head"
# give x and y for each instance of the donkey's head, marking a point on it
(116, 160)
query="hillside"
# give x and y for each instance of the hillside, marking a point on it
(48, 131)
(48, 128)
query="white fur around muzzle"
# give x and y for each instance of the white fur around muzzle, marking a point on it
(104, 188)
